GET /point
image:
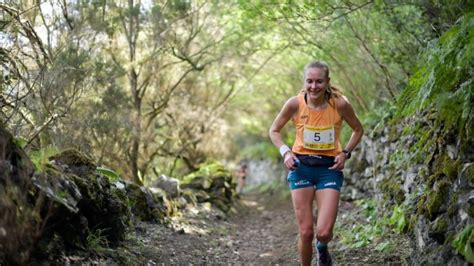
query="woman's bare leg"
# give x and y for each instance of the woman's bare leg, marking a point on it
(327, 201)
(303, 206)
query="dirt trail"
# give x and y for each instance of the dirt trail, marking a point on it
(263, 231)
(268, 231)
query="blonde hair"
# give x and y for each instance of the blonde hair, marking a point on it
(331, 92)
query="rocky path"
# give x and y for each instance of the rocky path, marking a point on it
(262, 231)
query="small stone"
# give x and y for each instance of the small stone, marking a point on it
(119, 185)
(168, 184)
(409, 180)
(452, 151)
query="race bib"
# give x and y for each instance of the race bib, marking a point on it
(319, 138)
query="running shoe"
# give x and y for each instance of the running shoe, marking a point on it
(325, 258)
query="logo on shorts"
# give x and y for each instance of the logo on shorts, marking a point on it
(330, 184)
(302, 183)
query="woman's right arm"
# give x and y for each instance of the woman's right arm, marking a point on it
(286, 113)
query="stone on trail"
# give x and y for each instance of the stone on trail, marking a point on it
(168, 184)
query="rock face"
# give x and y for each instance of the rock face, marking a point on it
(85, 203)
(419, 157)
(434, 187)
(69, 205)
(18, 227)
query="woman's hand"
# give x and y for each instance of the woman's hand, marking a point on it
(289, 159)
(339, 161)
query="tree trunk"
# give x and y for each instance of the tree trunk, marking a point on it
(132, 36)
(137, 128)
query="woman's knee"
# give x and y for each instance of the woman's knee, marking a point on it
(307, 234)
(324, 235)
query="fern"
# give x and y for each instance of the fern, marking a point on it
(462, 243)
(444, 81)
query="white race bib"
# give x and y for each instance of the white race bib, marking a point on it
(319, 138)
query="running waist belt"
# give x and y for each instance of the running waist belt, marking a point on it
(316, 160)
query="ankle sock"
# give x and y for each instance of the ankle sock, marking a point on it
(321, 246)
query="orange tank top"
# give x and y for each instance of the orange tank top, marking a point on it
(317, 132)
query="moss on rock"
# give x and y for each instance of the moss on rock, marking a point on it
(437, 229)
(441, 224)
(437, 197)
(469, 172)
(453, 205)
(212, 183)
(141, 203)
(77, 162)
(433, 178)
(392, 190)
(470, 207)
(420, 208)
(448, 166)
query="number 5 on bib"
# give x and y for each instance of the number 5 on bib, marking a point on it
(319, 138)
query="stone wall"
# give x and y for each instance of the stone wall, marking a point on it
(426, 169)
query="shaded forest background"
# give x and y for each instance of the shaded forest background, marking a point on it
(158, 87)
(188, 88)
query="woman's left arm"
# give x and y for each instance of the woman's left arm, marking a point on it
(345, 109)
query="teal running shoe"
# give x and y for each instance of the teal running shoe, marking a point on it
(324, 258)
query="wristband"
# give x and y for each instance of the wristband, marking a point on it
(284, 149)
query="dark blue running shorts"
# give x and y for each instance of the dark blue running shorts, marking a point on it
(318, 177)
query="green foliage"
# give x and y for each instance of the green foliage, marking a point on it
(463, 243)
(110, 174)
(96, 240)
(456, 109)
(207, 170)
(398, 219)
(20, 142)
(365, 230)
(370, 226)
(40, 158)
(379, 117)
(385, 246)
(180, 6)
(445, 81)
